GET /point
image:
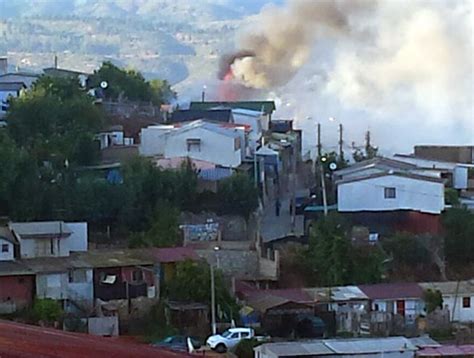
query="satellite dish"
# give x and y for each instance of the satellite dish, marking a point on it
(104, 84)
(332, 166)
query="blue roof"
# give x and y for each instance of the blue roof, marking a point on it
(215, 174)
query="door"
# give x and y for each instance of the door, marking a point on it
(401, 307)
(233, 339)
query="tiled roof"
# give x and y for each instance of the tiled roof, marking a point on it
(174, 254)
(392, 291)
(24, 341)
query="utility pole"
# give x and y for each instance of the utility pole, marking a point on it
(293, 196)
(323, 187)
(213, 302)
(319, 141)
(341, 153)
(367, 142)
(203, 93)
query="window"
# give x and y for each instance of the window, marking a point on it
(194, 144)
(390, 193)
(137, 276)
(244, 334)
(234, 336)
(5, 248)
(466, 302)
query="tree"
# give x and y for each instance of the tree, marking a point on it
(433, 300)
(192, 282)
(451, 197)
(238, 195)
(47, 310)
(406, 249)
(55, 121)
(459, 231)
(164, 230)
(244, 349)
(130, 84)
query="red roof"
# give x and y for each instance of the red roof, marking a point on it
(24, 341)
(174, 254)
(392, 291)
(447, 351)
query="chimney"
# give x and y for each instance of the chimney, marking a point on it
(3, 65)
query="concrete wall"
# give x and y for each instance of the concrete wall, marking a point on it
(103, 326)
(52, 285)
(232, 262)
(55, 247)
(411, 194)
(78, 239)
(153, 140)
(457, 312)
(9, 255)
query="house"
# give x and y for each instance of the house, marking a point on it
(122, 274)
(404, 299)
(65, 279)
(113, 136)
(26, 78)
(212, 142)
(49, 238)
(17, 286)
(168, 257)
(253, 119)
(392, 201)
(265, 107)
(348, 303)
(63, 73)
(458, 297)
(8, 244)
(396, 347)
(9, 90)
(456, 175)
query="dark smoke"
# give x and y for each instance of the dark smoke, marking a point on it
(227, 60)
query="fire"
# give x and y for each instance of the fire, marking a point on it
(229, 75)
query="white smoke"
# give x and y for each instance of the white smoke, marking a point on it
(403, 68)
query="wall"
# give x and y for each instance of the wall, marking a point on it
(9, 255)
(456, 312)
(460, 177)
(411, 194)
(78, 239)
(413, 308)
(80, 290)
(52, 285)
(153, 140)
(30, 248)
(215, 148)
(16, 292)
(103, 326)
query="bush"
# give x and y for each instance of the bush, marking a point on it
(47, 310)
(245, 348)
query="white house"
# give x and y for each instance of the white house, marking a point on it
(220, 144)
(7, 245)
(49, 238)
(9, 90)
(458, 297)
(404, 299)
(253, 119)
(391, 191)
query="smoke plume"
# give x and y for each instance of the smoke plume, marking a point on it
(284, 38)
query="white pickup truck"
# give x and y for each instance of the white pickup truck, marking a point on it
(229, 339)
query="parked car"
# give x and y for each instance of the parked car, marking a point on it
(178, 343)
(230, 338)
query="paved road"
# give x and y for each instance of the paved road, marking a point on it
(275, 227)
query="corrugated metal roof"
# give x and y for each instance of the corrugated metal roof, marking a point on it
(41, 228)
(293, 349)
(370, 345)
(424, 341)
(215, 174)
(450, 287)
(266, 106)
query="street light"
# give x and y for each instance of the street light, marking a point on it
(203, 94)
(213, 293)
